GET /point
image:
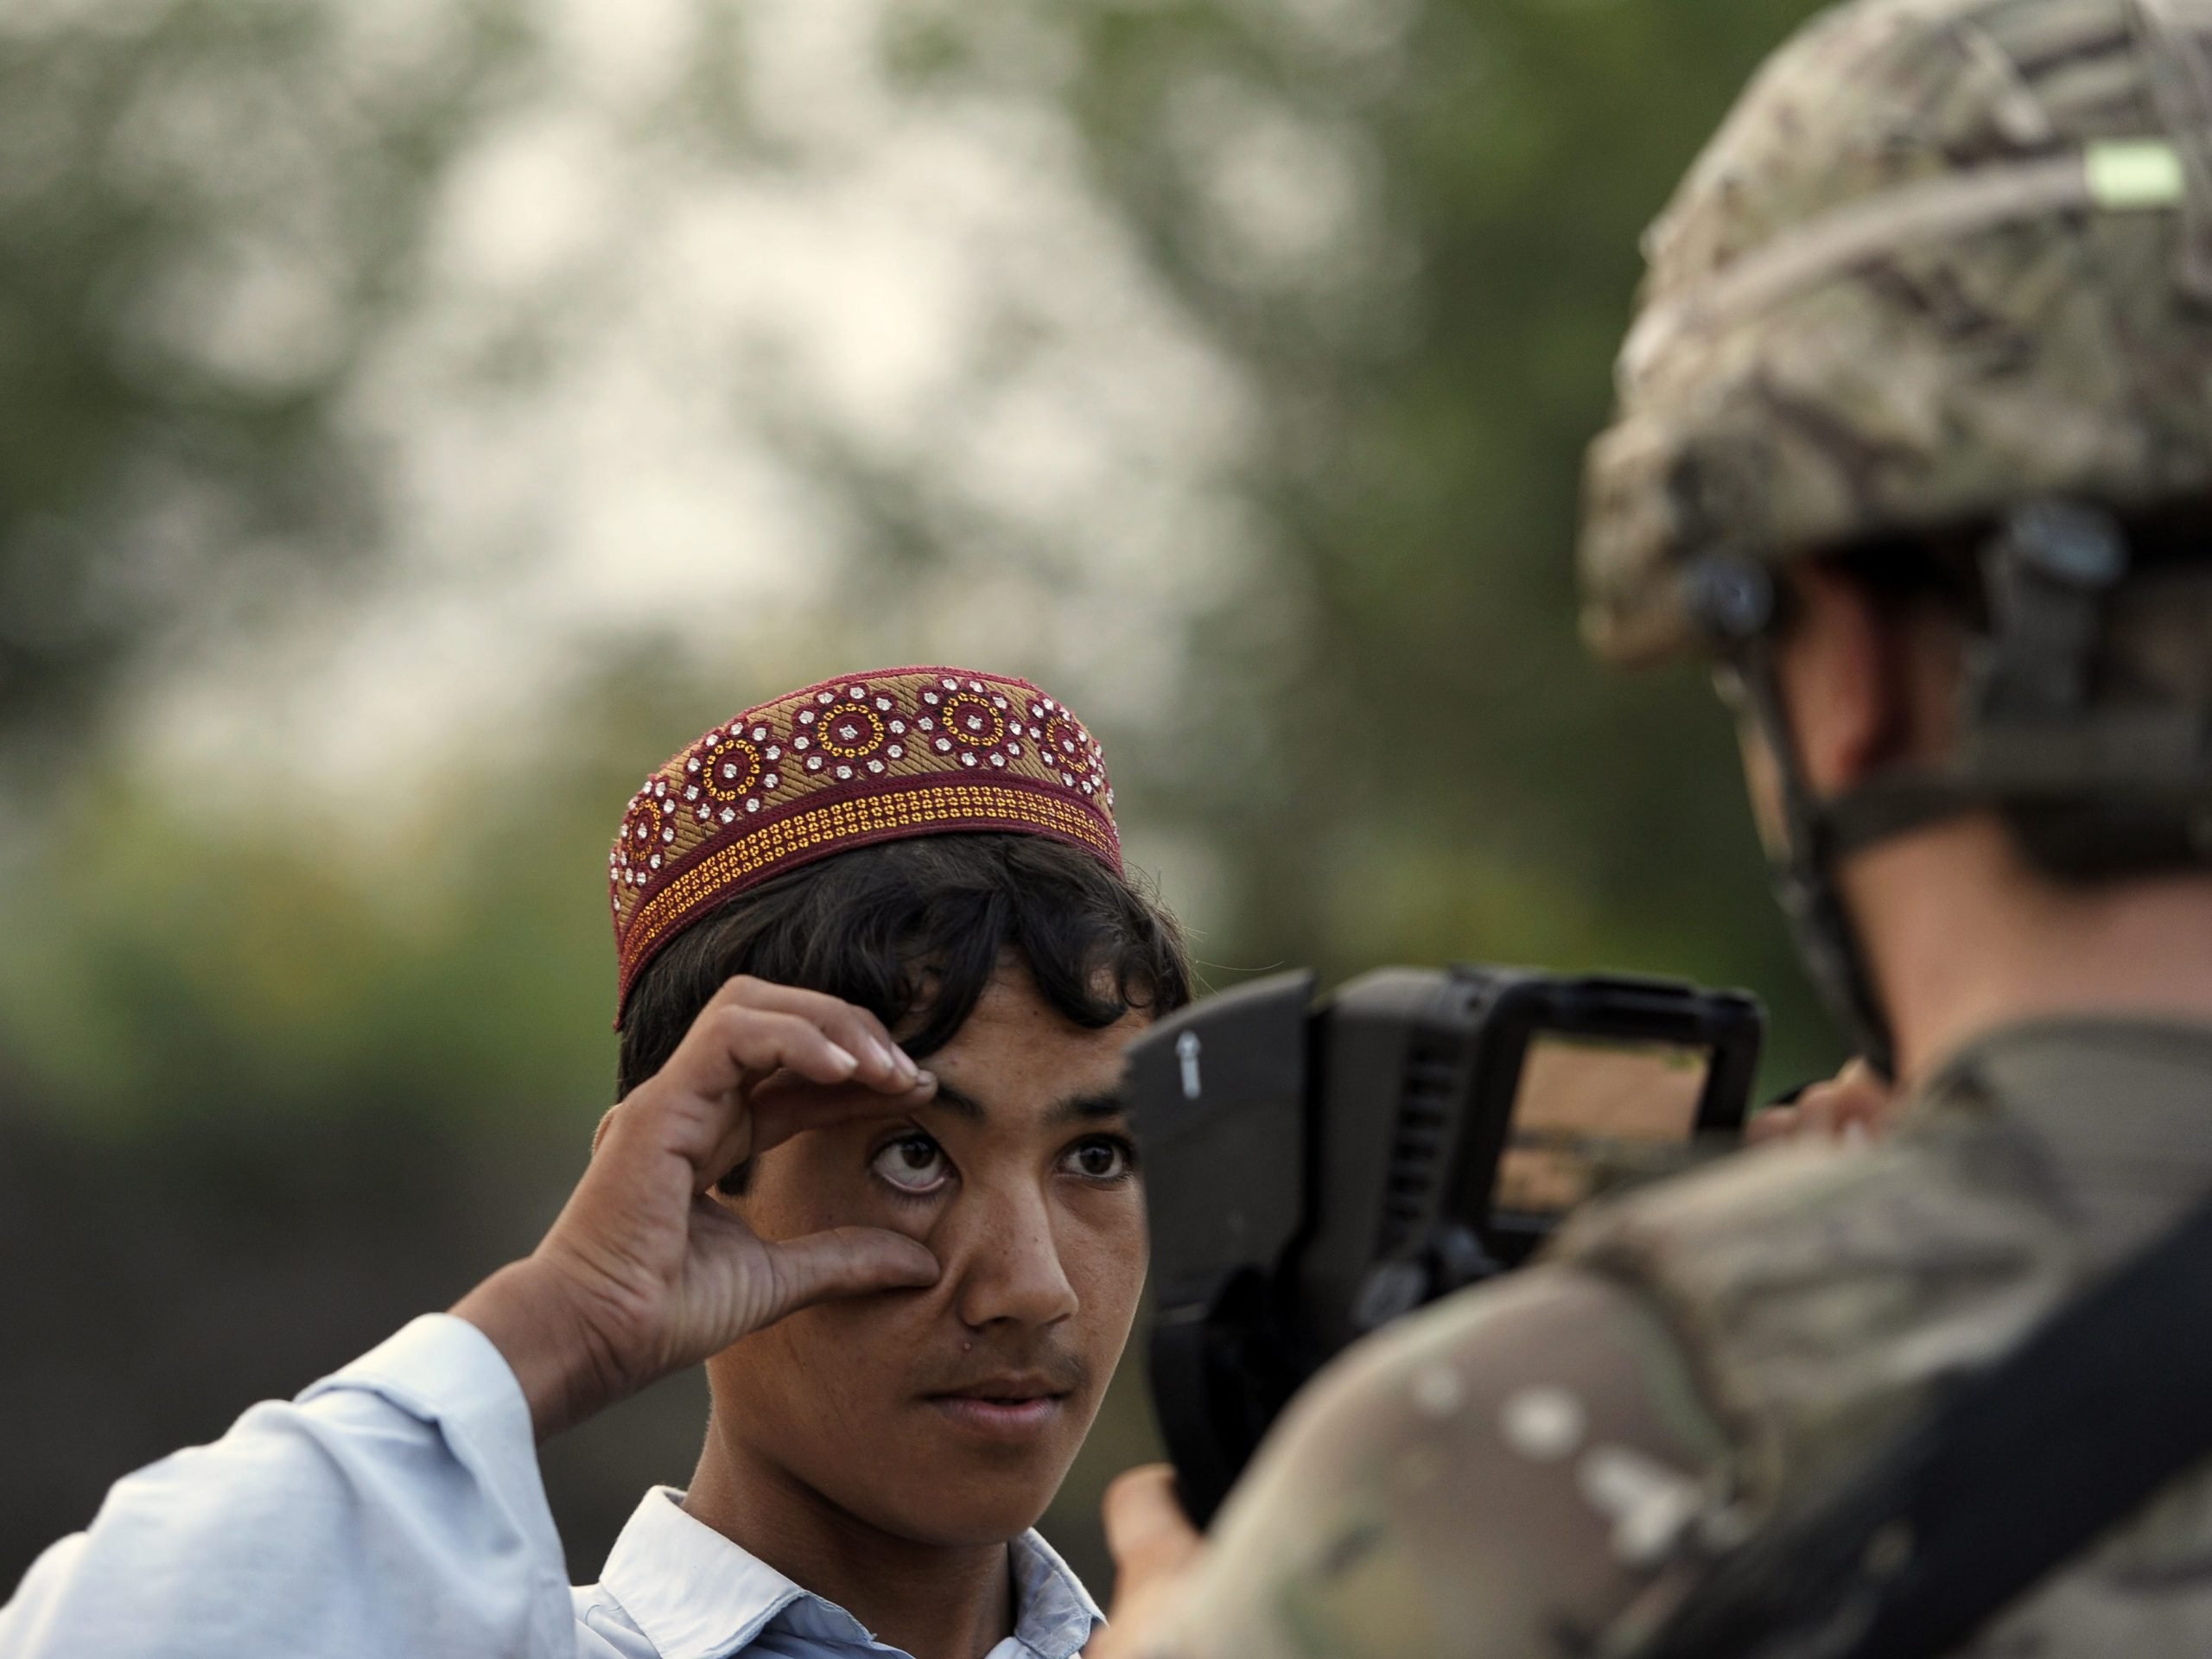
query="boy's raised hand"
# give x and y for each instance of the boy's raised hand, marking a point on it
(644, 1273)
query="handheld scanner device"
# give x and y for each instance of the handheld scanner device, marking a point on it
(1316, 1169)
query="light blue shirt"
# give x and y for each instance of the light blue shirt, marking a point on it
(395, 1511)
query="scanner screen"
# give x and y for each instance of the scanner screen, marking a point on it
(1585, 1103)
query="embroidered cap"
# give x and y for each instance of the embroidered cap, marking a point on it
(873, 757)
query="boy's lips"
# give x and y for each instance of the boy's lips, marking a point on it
(1012, 1407)
(1002, 1420)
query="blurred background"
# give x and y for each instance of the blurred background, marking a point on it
(418, 419)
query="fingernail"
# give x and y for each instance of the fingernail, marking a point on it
(924, 1079)
(844, 1062)
(906, 1066)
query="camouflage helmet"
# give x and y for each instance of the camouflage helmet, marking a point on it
(1945, 256)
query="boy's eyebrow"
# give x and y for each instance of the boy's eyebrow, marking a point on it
(1076, 1108)
(1106, 1102)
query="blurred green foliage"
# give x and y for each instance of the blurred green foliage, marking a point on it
(162, 447)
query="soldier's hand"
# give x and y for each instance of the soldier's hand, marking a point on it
(1853, 1104)
(644, 1272)
(1155, 1548)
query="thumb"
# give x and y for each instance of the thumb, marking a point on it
(1154, 1547)
(844, 1262)
(1146, 1531)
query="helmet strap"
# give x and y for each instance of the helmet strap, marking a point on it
(1803, 872)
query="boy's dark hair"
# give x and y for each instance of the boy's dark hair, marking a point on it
(910, 929)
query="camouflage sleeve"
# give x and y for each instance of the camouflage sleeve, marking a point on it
(1501, 1475)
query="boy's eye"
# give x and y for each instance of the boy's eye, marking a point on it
(1102, 1160)
(912, 1163)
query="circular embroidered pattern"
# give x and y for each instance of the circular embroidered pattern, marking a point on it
(884, 754)
(1071, 751)
(730, 772)
(849, 734)
(970, 724)
(648, 837)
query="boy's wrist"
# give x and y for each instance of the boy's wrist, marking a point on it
(529, 1311)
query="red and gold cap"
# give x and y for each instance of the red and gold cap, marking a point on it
(868, 758)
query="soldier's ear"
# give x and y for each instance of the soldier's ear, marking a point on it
(1851, 672)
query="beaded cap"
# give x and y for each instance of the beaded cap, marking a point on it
(879, 756)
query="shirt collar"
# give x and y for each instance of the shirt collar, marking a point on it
(694, 1594)
(1055, 1615)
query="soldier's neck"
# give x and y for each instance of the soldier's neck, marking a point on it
(1963, 936)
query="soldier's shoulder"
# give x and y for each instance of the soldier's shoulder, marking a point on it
(1956, 1176)
(1821, 1292)
(2069, 1056)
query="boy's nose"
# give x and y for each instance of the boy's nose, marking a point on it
(1011, 1267)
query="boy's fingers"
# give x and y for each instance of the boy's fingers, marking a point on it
(786, 1105)
(806, 1079)
(881, 1063)
(693, 1107)
(729, 1045)
(844, 1262)
(1146, 1532)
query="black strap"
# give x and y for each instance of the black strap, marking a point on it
(1883, 807)
(2020, 1469)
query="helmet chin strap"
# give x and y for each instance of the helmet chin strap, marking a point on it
(1803, 869)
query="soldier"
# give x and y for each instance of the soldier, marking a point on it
(1914, 442)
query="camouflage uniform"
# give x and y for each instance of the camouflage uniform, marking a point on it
(1948, 256)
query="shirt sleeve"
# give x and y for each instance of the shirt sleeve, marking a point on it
(394, 1508)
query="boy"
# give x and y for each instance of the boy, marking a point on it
(910, 1287)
